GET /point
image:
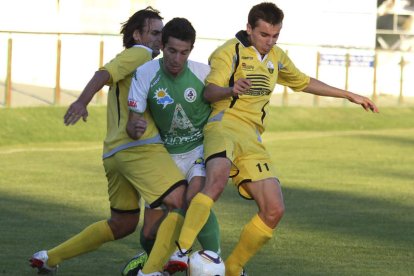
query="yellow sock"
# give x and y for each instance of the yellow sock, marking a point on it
(88, 240)
(195, 218)
(165, 242)
(254, 235)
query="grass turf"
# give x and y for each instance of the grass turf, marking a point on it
(347, 178)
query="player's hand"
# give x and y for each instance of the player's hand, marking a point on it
(366, 103)
(75, 111)
(136, 127)
(241, 86)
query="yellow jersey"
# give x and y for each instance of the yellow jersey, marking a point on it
(236, 59)
(121, 69)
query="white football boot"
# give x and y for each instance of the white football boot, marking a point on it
(39, 261)
(178, 261)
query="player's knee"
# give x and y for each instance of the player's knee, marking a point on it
(175, 199)
(123, 226)
(274, 213)
(279, 210)
(215, 188)
(215, 191)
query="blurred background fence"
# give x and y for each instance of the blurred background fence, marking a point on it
(45, 68)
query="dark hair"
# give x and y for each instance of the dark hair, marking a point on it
(137, 22)
(266, 11)
(179, 28)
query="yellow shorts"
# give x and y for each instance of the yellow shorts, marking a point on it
(242, 145)
(146, 171)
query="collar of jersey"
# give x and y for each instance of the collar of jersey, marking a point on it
(142, 46)
(243, 38)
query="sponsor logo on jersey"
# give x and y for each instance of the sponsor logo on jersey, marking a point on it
(270, 67)
(132, 103)
(247, 67)
(162, 97)
(249, 58)
(190, 95)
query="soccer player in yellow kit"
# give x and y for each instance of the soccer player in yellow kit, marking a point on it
(244, 72)
(134, 168)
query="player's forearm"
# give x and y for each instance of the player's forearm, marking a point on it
(136, 125)
(319, 88)
(214, 93)
(97, 82)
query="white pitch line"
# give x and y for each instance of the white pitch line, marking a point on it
(48, 149)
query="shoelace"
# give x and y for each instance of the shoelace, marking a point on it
(183, 253)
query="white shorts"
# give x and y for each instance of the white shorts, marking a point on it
(191, 163)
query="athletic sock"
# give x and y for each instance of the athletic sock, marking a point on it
(165, 242)
(88, 240)
(209, 236)
(253, 236)
(195, 218)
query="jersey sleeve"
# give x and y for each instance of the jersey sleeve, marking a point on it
(290, 76)
(138, 91)
(221, 63)
(200, 70)
(125, 63)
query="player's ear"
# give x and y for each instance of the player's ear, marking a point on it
(137, 36)
(249, 29)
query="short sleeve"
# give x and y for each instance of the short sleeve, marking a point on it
(126, 62)
(221, 63)
(140, 86)
(291, 76)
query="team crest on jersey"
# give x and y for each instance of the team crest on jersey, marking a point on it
(190, 95)
(163, 97)
(270, 67)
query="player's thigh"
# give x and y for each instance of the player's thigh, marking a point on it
(192, 165)
(266, 192)
(152, 173)
(194, 186)
(252, 160)
(122, 194)
(219, 142)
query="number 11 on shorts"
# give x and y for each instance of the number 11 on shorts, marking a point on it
(259, 166)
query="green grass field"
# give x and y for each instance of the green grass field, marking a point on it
(347, 177)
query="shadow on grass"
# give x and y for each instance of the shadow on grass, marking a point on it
(327, 233)
(390, 139)
(30, 225)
